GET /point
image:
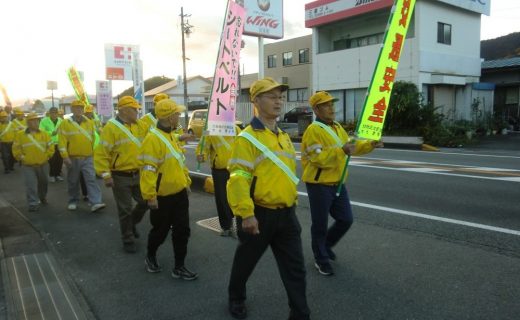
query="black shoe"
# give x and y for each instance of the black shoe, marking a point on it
(130, 247)
(237, 309)
(151, 264)
(183, 273)
(332, 255)
(136, 233)
(43, 201)
(324, 268)
(85, 198)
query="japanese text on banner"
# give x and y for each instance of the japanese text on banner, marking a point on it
(224, 91)
(379, 92)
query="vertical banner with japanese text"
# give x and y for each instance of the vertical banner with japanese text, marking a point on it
(137, 75)
(77, 85)
(104, 104)
(224, 91)
(379, 92)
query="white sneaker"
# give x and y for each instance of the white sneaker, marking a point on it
(52, 179)
(97, 206)
(59, 178)
(72, 206)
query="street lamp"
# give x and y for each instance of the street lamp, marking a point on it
(185, 29)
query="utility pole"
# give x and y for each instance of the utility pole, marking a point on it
(185, 29)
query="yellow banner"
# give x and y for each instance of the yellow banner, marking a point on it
(380, 89)
(77, 85)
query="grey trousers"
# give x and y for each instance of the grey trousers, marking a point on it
(35, 183)
(86, 166)
(125, 189)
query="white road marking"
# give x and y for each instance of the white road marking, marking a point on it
(414, 214)
(430, 217)
(423, 170)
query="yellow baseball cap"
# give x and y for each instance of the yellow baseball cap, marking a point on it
(264, 85)
(160, 96)
(3, 114)
(128, 101)
(18, 110)
(32, 116)
(321, 97)
(167, 107)
(88, 108)
(77, 103)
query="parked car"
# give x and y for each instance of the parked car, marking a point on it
(293, 115)
(196, 105)
(197, 122)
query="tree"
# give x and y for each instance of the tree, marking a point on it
(38, 106)
(149, 84)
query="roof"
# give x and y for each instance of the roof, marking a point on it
(502, 63)
(170, 85)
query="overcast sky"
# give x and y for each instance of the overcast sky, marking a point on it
(42, 38)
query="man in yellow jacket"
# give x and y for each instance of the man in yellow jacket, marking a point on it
(115, 159)
(33, 148)
(262, 194)
(218, 150)
(165, 182)
(7, 132)
(76, 143)
(19, 122)
(149, 121)
(325, 147)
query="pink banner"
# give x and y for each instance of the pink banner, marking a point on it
(224, 92)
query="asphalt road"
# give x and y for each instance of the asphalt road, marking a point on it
(436, 236)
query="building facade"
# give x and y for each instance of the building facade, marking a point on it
(441, 55)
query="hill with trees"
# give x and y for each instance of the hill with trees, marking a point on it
(500, 48)
(149, 84)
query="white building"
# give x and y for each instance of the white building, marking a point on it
(441, 54)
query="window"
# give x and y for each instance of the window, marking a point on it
(297, 95)
(287, 58)
(271, 61)
(303, 56)
(444, 33)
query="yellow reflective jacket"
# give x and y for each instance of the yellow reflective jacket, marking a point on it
(19, 124)
(255, 179)
(30, 154)
(7, 132)
(323, 158)
(116, 150)
(218, 149)
(161, 173)
(74, 142)
(147, 122)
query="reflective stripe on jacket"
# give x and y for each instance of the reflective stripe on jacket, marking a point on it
(215, 151)
(27, 152)
(322, 158)
(116, 151)
(161, 173)
(6, 132)
(72, 142)
(255, 179)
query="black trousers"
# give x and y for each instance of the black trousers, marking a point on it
(7, 155)
(280, 230)
(173, 213)
(55, 163)
(225, 215)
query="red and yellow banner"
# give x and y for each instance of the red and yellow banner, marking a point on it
(378, 97)
(77, 85)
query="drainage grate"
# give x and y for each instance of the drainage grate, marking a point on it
(214, 225)
(37, 290)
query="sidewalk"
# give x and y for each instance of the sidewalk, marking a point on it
(381, 273)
